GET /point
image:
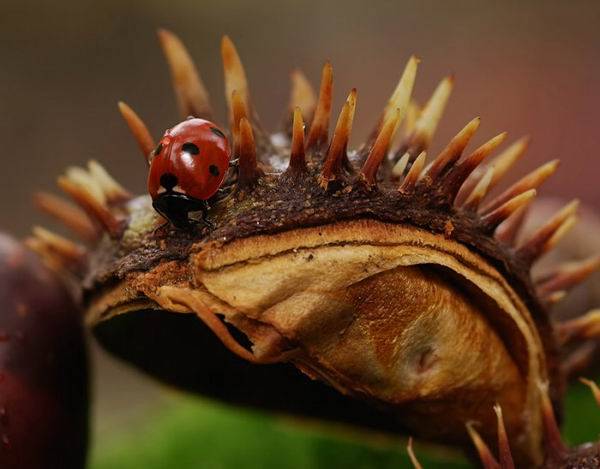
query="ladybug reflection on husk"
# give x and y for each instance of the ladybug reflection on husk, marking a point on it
(188, 168)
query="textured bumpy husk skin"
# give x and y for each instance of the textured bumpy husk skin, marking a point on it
(354, 304)
(43, 367)
(382, 296)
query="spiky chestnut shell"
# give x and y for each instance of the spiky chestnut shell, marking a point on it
(365, 270)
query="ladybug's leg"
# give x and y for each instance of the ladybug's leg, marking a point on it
(232, 177)
(173, 210)
(180, 221)
(162, 214)
(225, 190)
(161, 227)
(205, 208)
(229, 183)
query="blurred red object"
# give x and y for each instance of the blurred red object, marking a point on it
(43, 367)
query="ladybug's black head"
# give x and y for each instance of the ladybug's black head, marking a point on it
(176, 208)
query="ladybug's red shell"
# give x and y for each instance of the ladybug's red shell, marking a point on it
(191, 159)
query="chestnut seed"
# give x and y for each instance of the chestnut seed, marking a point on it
(43, 366)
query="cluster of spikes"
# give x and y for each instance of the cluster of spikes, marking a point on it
(557, 452)
(462, 182)
(98, 198)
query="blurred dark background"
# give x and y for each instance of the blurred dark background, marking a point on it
(525, 67)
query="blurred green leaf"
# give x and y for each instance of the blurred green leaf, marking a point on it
(194, 433)
(189, 432)
(582, 415)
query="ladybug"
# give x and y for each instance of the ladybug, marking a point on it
(188, 168)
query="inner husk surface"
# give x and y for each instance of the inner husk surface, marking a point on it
(416, 325)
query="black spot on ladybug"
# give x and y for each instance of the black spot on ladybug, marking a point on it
(168, 181)
(213, 170)
(216, 131)
(158, 149)
(190, 148)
